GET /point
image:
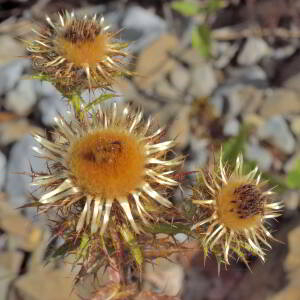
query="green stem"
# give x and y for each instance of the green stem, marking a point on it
(75, 100)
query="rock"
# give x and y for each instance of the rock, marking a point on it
(292, 261)
(276, 131)
(203, 81)
(190, 57)
(180, 78)
(165, 275)
(10, 49)
(142, 27)
(10, 264)
(51, 107)
(280, 101)
(218, 103)
(291, 200)
(51, 284)
(45, 89)
(295, 126)
(10, 74)
(253, 51)
(22, 233)
(264, 159)
(254, 120)
(284, 52)
(240, 97)
(22, 99)
(154, 61)
(231, 127)
(199, 154)
(251, 98)
(22, 157)
(165, 90)
(2, 170)
(129, 92)
(166, 114)
(293, 83)
(292, 266)
(180, 127)
(252, 75)
(225, 53)
(14, 130)
(181, 237)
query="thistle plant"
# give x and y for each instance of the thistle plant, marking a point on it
(233, 209)
(111, 172)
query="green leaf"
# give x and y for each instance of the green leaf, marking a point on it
(201, 40)
(234, 146)
(212, 6)
(293, 177)
(186, 8)
(98, 100)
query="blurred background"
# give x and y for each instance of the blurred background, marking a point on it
(217, 72)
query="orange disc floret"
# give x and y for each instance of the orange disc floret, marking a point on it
(240, 205)
(109, 163)
(84, 53)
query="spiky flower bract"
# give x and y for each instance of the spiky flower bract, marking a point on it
(234, 207)
(77, 53)
(109, 165)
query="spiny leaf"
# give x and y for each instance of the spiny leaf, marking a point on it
(201, 40)
(41, 77)
(186, 8)
(98, 100)
(169, 228)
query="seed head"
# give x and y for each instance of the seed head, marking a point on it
(234, 208)
(77, 53)
(110, 163)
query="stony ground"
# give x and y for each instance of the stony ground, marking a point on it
(253, 79)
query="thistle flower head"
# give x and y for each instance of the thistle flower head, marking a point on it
(234, 208)
(77, 53)
(110, 164)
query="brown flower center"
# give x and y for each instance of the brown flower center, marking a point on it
(109, 163)
(240, 205)
(79, 31)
